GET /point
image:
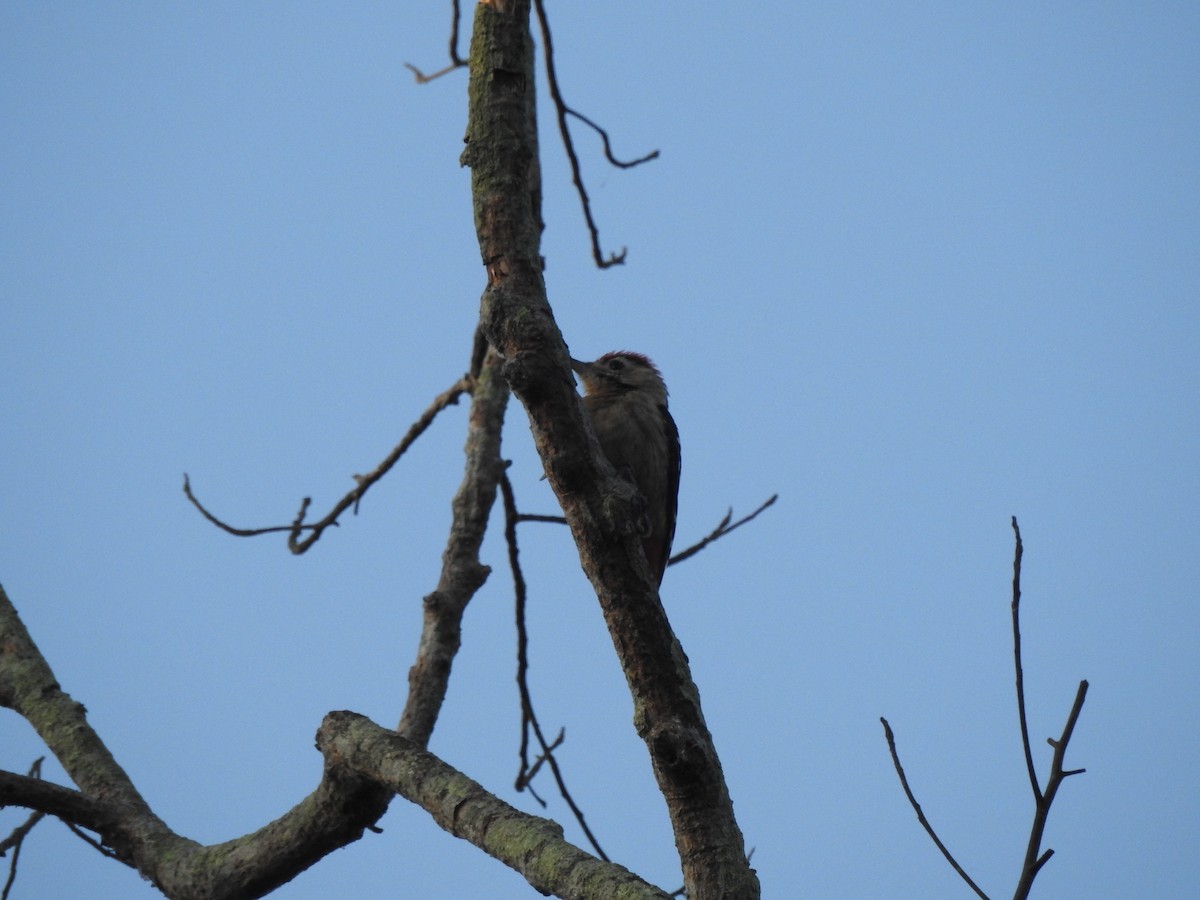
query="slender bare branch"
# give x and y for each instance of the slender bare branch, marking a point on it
(608, 154)
(1016, 624)
(891, 742)
(16, 839)
(233, 529)
(1034, 859)
(561, 110)
(362, 483)
(529, 719)
(456, 62)
(529, 771)
(423, 78)
(533, 517)
(723, 528)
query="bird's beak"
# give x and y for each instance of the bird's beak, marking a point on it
(582, 368)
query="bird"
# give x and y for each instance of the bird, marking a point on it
(626, 399)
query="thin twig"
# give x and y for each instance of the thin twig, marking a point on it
(608, 154)
(456, 62)
(1016, 624)
(723, 528)
(562, 110)
(89, 840)
(520, 594)
(529, 720)
(422, 78)
(362, 483)
(891, 742)
(533, 517)
(17, 835)
(526, 780)
(16, 840)
(231, 529)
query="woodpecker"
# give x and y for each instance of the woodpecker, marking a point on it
(626, 398)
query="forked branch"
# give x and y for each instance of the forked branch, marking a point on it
(1034, 857)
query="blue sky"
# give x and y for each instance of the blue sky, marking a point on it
(915, 269)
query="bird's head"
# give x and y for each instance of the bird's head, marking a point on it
(619, 372)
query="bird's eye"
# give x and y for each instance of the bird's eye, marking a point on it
(616, 365)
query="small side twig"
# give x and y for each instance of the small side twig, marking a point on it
(456, 61)
(16, 839)
(534, 517)
(562, 111)
(529, 720)
(891, 742)
(723, 528)
(608, 154)
(90, 841)
(362, 483)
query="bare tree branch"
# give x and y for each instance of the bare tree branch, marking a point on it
(1034, 859)
(562, 111)
(1016, 625)
(16, 840)
(891, 742)
(456, 62)
(363, 483)
(53, 800)
(335, 814)
(608, 154)
(529, 718)
(1033, 862)
(723, 528)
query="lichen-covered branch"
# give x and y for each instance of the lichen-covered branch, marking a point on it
(529, 844)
